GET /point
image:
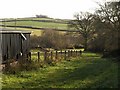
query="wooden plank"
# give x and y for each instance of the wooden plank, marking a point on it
(12, 44)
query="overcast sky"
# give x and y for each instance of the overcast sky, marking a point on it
(64, 9)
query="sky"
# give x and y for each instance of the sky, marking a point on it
(63, 9)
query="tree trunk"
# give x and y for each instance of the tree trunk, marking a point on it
(85, 43)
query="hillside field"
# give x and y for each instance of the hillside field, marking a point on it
(27, 23)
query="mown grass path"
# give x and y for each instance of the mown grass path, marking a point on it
(87, 71)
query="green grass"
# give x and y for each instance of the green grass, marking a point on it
(58, 24)
(39, 24)
(33, 31)
(33, 18)
(53, 24)
(87, 71)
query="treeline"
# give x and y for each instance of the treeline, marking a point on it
(56, 40)
(42, 16)
(100, 30)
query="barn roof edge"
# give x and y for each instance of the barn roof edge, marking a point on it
(14, 31)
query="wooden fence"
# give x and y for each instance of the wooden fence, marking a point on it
(47, 56)
(54, 55)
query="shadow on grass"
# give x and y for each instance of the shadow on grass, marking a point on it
(77, 74)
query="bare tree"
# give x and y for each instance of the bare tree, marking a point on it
(109, 14)
(84, 24)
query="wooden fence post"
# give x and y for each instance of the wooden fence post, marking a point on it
(56, 55)
(17, 56)
(45, 56)
(61, 54)
(65, 55)
(30, 56)
(80, 52)
(71, 53)
(38, 56)
(51, 55)
(76, 52)
(68, 53)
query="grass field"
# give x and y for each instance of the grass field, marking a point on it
(35, 18)
(39, 24)
(87, 71)
(33, 31)
(47, 23)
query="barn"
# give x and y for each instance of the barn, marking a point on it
(15, 43)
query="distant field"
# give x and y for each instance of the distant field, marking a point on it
(33, 31)
(34, 18)
(46, 23)
(38, 22)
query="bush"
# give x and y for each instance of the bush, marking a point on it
(18, 66)
(114, 54)
(54, 39)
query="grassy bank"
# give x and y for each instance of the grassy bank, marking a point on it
(87, 71)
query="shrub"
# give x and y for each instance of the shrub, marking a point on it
(21, 65)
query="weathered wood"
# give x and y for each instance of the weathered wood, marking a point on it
(65, 55)
(80, 52)
(17, 56)
(30, 56)
(45, 56)
(51, 56)
(38, 56)
(56, 55)
(68, 53)
(61, 54)
(71, 53)
(13, 44)
(76, 52)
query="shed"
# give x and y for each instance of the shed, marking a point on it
(15, 43)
